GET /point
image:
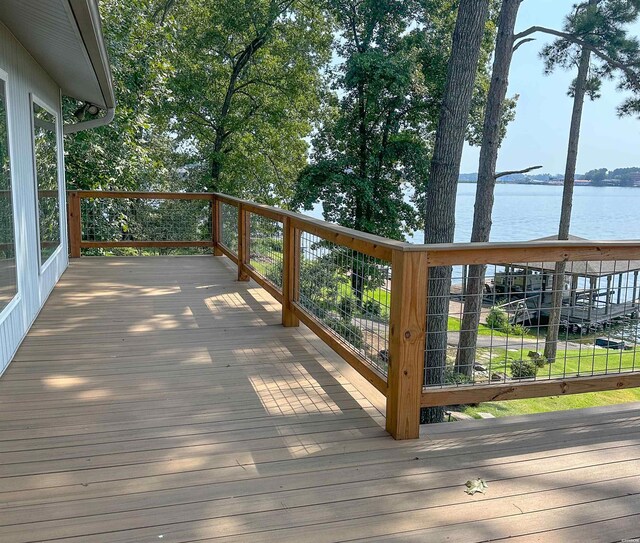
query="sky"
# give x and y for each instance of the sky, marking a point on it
(539, 133)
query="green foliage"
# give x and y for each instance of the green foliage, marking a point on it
(350, 332)
(498, 319)
(374, 146)
(517, 330)
(319, 285)
(346, 308)
(373, 308)
(537, 358)
(523, 369)
(273, 273)
(452, 377)
(245, 90)
(135, 151)
(602, 27)
(597, 176)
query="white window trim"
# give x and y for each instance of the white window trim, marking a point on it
(7, 309)
(36, 100)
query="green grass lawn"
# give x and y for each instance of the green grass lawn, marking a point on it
(573, 362)
(484, 330)
(586, 361)
(555, 403)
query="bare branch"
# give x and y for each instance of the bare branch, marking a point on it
(512, 172)
(522, 42)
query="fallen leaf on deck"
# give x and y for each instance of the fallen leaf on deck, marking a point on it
(475, 485)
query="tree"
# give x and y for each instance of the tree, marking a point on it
(245, 90)
(443, 178)
(595, 26)
(135, 151)
(491, 138)
(373, 142)
(370, 157)
(596, 176)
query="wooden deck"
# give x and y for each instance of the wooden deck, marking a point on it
(156, 399)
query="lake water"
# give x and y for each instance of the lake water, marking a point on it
(525, 212)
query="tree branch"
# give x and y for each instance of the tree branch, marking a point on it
(570, 37)
(522, 42)
(512, 172)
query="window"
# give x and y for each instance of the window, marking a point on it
(8, 275)
(46, 162)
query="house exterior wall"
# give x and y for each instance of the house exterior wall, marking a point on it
(26, 80)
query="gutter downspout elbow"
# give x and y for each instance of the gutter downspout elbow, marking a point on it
(93, 123)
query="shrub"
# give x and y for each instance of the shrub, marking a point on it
(373, 307)
(537, 358)
(346, 307)
(517, 330)
(524, 369)
(452, 377)
(498, 319)
(350, 332)
(274, 273)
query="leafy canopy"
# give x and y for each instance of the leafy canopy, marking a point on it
(244, 90)
(370, 158)
(602, 28)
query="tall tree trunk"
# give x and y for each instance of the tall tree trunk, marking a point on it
(443, 180)
(580, 88)
(486, 182)
(239, 67)
(216, 161)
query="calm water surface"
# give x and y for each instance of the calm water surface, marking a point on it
(525, 212)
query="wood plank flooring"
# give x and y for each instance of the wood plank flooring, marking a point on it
(157, 399)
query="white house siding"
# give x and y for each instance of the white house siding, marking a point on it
(26, 78)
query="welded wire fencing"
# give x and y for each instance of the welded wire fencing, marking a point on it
(350, 293)
(515, 322)
(229, 227)
(115, 222)
(266, 248)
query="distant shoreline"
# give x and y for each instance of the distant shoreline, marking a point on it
(547, 184)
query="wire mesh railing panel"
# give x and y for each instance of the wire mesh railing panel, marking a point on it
(348, 292)
(139, 219)
(266, 248)
(512, 322)
(229, 226)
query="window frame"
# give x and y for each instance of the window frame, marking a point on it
(8, 308)
(34, 100)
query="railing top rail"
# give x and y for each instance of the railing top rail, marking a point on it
(370, 244)
(528, 251)
(146, 195)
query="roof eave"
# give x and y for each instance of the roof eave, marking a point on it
(87, 16)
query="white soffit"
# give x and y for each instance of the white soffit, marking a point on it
(65, 38)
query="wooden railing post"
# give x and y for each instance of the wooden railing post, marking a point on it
(290, 272)
(244, 241)
(215, 225)
(74, 224)
(407, 329)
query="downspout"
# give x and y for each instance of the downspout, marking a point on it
(93, 123)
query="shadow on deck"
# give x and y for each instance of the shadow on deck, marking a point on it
(156, 399)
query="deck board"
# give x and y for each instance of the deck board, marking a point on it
(159, 397)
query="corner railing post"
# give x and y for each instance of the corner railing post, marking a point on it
(244, 241)
(407, 329)
(74, 224)
(290, 272)
(215, 225)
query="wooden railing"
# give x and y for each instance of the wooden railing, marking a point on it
(397, 369)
